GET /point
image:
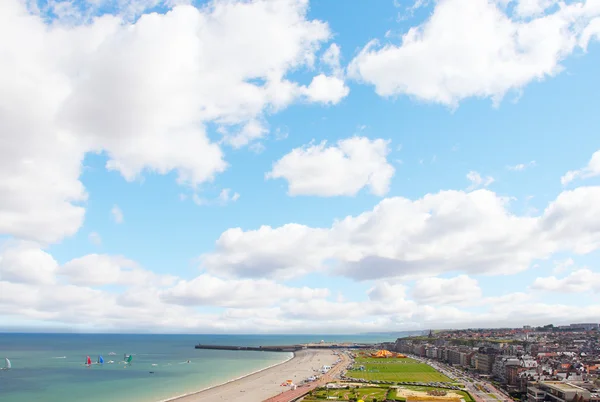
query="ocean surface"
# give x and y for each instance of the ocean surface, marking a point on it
(50, 367)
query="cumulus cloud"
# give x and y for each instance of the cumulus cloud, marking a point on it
(326, 89)
(478, 181)
(99, 270)
(24, 262)
(451, 231)
(89, 85)
(331, 58)
(76, 295)
(341, 169)
(473, 48)
(581, 280)
(457, 290)
(213, 291)
(591, 170)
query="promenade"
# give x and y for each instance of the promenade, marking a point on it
(292, 395)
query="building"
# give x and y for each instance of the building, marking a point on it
(501, 364)
(484, 362)
(556, 391)
(585, 327)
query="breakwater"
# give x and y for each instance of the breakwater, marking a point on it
(290, 348)
(286, 348)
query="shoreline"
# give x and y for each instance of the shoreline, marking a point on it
(188, 394)
(263, 384)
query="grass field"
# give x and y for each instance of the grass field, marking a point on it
(396, 370)
(464, 394)
(366, 394)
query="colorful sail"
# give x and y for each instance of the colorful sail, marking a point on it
(88, 360)
(7, 363)
(100, 360)
(129, 359)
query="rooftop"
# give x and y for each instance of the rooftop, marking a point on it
(562, 386)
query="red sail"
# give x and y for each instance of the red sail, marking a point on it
(89, 361)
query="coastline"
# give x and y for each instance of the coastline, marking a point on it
(265, 383)
(189, 394)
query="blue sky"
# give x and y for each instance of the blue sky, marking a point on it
(238, 166)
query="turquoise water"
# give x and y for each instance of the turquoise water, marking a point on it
(40, 373)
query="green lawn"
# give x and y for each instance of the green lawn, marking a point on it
(465, 394)
(396, 370)
(366, 394)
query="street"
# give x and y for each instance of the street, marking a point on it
(482, 391)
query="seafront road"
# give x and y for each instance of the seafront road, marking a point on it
(474, 385)
(292, 395)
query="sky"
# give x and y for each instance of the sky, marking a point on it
(286, 166)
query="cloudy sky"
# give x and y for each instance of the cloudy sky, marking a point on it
(293, 166)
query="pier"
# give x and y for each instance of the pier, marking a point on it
(288, 348)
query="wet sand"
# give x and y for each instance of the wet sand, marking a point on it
(267, 383)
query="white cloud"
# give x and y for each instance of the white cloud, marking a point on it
(252, 131)
(471, 48)
(509, 299)
(478, 181)
(225, 197)
(100, 270)
(331, 58)
(35, 288)
(95, 238)
(457, 290)
(24, 262)
(385, 291)
(344, 169)
(529, 8)
(592, 31)
(451, 231)
(563, 265)
(246, 293)
(591, 170)
(116, 214)
(81, 88)
(326, 89)
(521, 166)
(579, 281)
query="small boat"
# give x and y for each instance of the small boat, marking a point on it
(100, 360)
(110, 362)
(127, 358)
(88, 361)
(7, 365)
(112, 354)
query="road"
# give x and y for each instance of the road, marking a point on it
(292, 395)
(482, 391)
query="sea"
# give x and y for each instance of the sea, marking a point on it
(51, 367)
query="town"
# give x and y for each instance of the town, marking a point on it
(548, 363)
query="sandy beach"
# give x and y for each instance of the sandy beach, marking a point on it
(264, 384)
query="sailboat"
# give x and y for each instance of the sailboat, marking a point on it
(88, 361)
(100, 360)
(7, 365)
